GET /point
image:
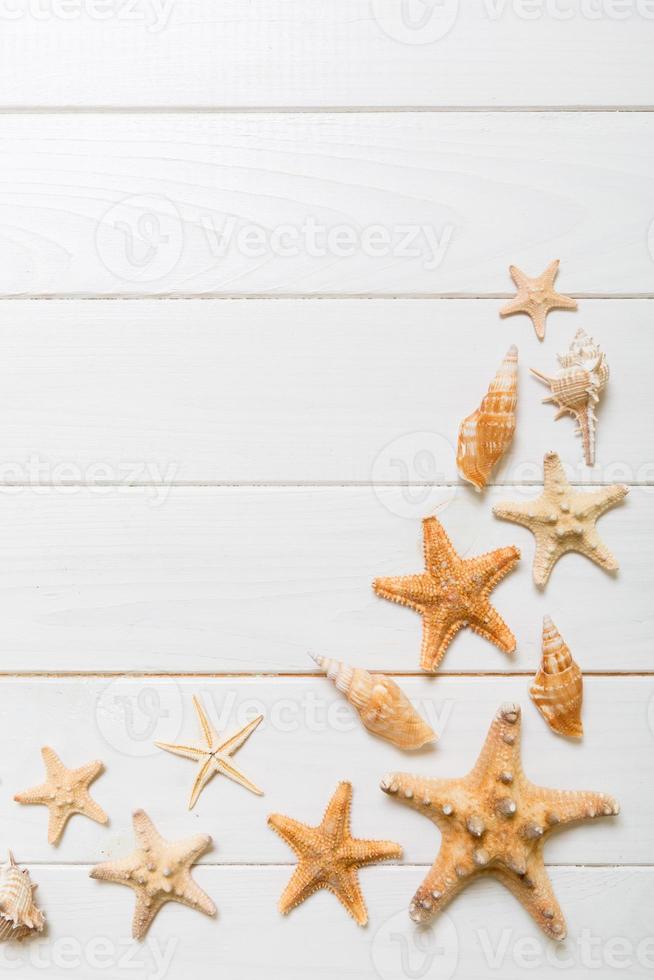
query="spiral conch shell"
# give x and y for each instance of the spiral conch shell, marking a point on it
(557, 690)
(384, 709)
(19, 916)
(577, 385)
(485, 435)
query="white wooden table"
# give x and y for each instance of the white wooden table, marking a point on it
(251, 261)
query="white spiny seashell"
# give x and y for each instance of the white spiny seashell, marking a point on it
(485, 435)
(383, 707)
(557, 690)
(19, 916)
(577, 385)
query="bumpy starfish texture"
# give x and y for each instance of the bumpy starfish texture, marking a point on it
(536, 297)
(65, 792)
(563, 519)
(159, 871)
(494, 822)
(214, 756)
(329, 856)
(452, 593)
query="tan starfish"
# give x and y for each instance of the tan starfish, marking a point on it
(494, 822)
(159, 871)
(214, 756)
(536, 297)
(65, 792)
(452, 593)
(563, 519)
(329, 856)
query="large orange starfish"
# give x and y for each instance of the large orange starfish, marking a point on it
(536, 297)
(452, 593)
(493, 822)
(330, 856)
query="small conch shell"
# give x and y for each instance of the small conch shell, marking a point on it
(19, 916)
(557, 690)
(577, 385)
(384, 709)
(485, 435)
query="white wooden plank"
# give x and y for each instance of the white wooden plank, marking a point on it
(485, 930)
(309, 740)
(206, 579)
(228, 390)
(371, 203)
(346, 52)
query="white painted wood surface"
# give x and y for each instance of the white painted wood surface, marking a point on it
(300, 391)
(302, 203)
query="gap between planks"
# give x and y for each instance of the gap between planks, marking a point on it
(209, 296)
(216, 110)
(285, 675)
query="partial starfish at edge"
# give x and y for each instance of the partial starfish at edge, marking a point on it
(563, 519)
(537, 296)
(65, 792)
(494, 822)
(329, 856)
(452, 593)
(159, 871)
(214, 757)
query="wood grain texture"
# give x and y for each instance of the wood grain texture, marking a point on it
(485, 932)
(247, 579)
(372, 203)
(291, 53)
(229, 390)
(309, 740)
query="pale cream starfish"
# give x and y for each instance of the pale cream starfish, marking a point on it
(65, 792)
(214, 757)
(563, 519)
(329, 856)
(536, 297)
(159, 871)
(494, 822)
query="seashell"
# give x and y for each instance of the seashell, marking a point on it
(485, 435)
(577, 385)
(384, 709)
(557, 690)
(19, 916)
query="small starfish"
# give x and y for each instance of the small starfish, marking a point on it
(330, 856)
(65, 792)
(452, 593)
(215, 756)
(563, 519)
(493, 822)
(536, 297)
(159, 871)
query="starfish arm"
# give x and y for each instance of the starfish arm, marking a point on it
(402, 589)
(434, 798)
(361, 852)
(547, 553)
(560, 302)
(145, 912)
(347, 890)
(195, 897)
(597, 502)
(187, 851)
(553, 473)
(118, 872)
(227, 768)
(37, 794)
(516, 305)
(520, 278)
(495, 565)
(535, 893)
(437, 546)
(438, 888)
(525, 514)
(594, 548)
(92, 810)
(297, 835)
(538, 316)
(438, 630)
(57, 821)
(239, 738)
(185, 751)
(307, 878)
(145, 831)
(206, 771)
(336, 821)
(561, 807)
(550, 274)
(54, 767)
(501, 751)
(88, 773)
(489, 624)
(205, 724)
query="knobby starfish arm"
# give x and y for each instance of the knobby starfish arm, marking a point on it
(500, 753)
(534, 891)
(54, 767)
(437, 547)
(195, 897)
(144, 913)
(307, 878)
(489, 624)
(439, 628)
(120, 872)
(91, 809)
(597, 502)
(438, 888)
(525, 514)
(145, 831)
(361, 852)
(336, 821)
(407, 590)
(561, 807)
(545, 557)
(57, 820)
(87, 774)
(297, 835)
(347, 890)
(497, 564)
(434, 798)
(37, 794)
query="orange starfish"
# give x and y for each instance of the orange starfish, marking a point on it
(452, 593)
(536, 297)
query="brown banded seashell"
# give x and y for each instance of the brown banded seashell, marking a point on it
(557, 690)
(485, 435)
(383, 708)
(577, 385)
(19, 916)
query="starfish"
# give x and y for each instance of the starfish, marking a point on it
(452, 593)
(65, 792)
(494, 822)
(329, 856)
(536, 297)
(563, 519)
(214, 757)
(159, 871)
